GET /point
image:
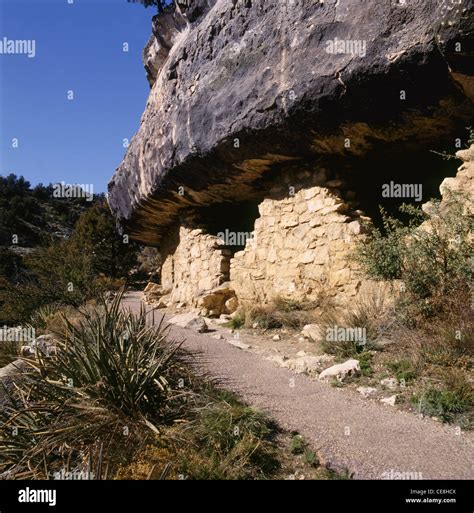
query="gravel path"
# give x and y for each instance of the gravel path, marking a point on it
(348, 432)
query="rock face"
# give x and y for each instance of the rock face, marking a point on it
(282, 104)
(242, 87)
(459, 187)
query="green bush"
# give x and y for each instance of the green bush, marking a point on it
(298, 445)
(448, 405)
(365, 361)
(68, 271)
(431, 261)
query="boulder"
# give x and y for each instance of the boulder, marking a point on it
(341, 370)
(309, 364)
(152, 288)
(45, 345)
(153, 292)
(197, 324)
(214, 302)
(10, 375)
(232, 304)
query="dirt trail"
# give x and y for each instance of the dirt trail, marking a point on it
(370, 440)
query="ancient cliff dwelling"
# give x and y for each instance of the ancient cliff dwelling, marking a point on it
(253, 126)
(278, 284)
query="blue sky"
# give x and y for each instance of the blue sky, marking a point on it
(79, 48)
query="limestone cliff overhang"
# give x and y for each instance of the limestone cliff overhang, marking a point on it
(242, 88)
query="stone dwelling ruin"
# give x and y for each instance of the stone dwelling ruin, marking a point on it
(263, 120)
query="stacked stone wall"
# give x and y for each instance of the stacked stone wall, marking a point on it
(302, 246)
(194, 262)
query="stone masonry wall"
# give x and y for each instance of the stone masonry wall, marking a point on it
(302, 244)
(194, 262)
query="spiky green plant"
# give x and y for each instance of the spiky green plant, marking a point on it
(111, 370)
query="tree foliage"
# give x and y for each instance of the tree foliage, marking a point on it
(67, 271)
(159, 4)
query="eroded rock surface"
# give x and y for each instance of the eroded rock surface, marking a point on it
(244, 88)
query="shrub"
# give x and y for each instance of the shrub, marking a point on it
(237, 322)
(119, 359)
(111, 370)
(452, 403)
(432, 260)
(280, 312)
(365, 361)
(95, 259)
(373, 313)
(298, 445)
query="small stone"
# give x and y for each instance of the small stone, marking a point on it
(276, 337)
(240, 345)
(218, 336)
(279, 360)
(27, 351)
(366, 391)
(389, 400)
(255, 325)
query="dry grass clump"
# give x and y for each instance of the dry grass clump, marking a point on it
(282, 312)
(373, 314)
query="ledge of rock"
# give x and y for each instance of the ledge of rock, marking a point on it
(243, 88)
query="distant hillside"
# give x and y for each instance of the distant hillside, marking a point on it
(31, 217)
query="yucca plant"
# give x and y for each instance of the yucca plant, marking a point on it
(116, 358)
(110, 370)
(40, 317)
